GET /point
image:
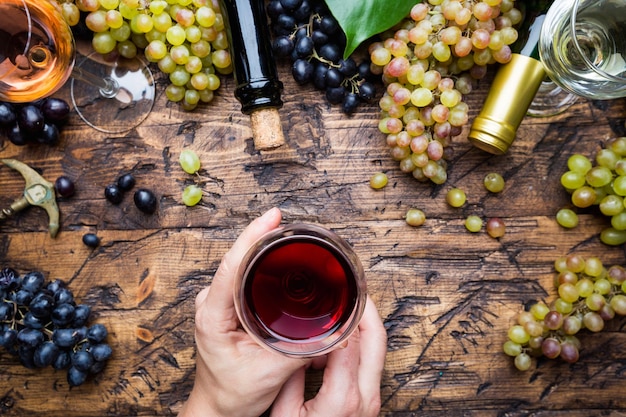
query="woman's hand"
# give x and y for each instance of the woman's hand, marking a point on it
(235, 377)
(351, 381)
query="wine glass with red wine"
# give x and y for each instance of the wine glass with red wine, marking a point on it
(300, 290)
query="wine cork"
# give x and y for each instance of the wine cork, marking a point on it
(267, 131)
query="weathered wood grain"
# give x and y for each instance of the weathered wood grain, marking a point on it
(446, 296)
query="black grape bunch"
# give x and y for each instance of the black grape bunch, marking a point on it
(41, 324)
(306, 33)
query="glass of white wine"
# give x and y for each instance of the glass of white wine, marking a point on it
(38, 56)
(583, 48)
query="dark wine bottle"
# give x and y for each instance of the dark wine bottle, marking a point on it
(257, 86)
(514, 86)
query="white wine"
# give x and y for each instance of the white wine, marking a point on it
(593, 64)
(33, 64)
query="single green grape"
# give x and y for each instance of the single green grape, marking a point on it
(192, 194)
(571, 180)
(511, 348)
(599, 176)
(579, 163)
(523, 361)
(567, 218)
(494, 182)
(518, 334)
(539, 310)
(189, 161)
(619, 221)
(584, 197)
(611, 205)
(619, 185)
(607, 158)
(415, 217)
(378, 180)
(456, 197)
(473, 223)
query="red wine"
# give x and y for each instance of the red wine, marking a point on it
(301, 288)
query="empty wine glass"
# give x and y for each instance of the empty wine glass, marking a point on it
(38, 56)
(583, 48)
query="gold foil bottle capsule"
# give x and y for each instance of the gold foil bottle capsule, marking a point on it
(512, 91)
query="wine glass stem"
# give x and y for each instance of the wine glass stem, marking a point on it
(108, 86)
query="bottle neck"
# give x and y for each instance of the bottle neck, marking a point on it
(534, 14)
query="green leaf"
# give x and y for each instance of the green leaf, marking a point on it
(361, 19)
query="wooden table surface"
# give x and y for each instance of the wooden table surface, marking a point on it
(447, 297)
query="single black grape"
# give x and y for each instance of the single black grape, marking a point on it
(348, 67)
(145, 200)
(26, 355)
(8, 337)
(350, 103)
(367, 91)
(6, 311)
(290, 5)
(55, 110)
(282, 46)
(319, 76)
(76, 377)
(303, 12)
(45, 354)
(319, 38)
(331, 52)
(49, 135)
(64, 186)
(62, 360)
(15, 135)
(31, 120)
(32, 322)
(101, 352)
(81, 315)
(113, 193)
(126, 182)
(65, 338)
(333, 77)
(286, 22)
(41, 305)
(335, 95)
(33, 281)
(23, 297)
(304, 47)
(274, 9)
(64, 296)
(91, 240)
(82, 360)
(329, 25)
(63, 315)
(8, 116)
(55, 285)
(97, 333)
(30, 337)
(302, 71)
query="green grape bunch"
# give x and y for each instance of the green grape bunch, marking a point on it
(589, 295)
(185, 38)
(601, 185)
(428, 64)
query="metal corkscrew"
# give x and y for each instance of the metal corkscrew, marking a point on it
(37, 192)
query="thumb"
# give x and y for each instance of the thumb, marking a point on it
(291, 396)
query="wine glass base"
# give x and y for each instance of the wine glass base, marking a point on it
(125, 110)
(550, 100)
